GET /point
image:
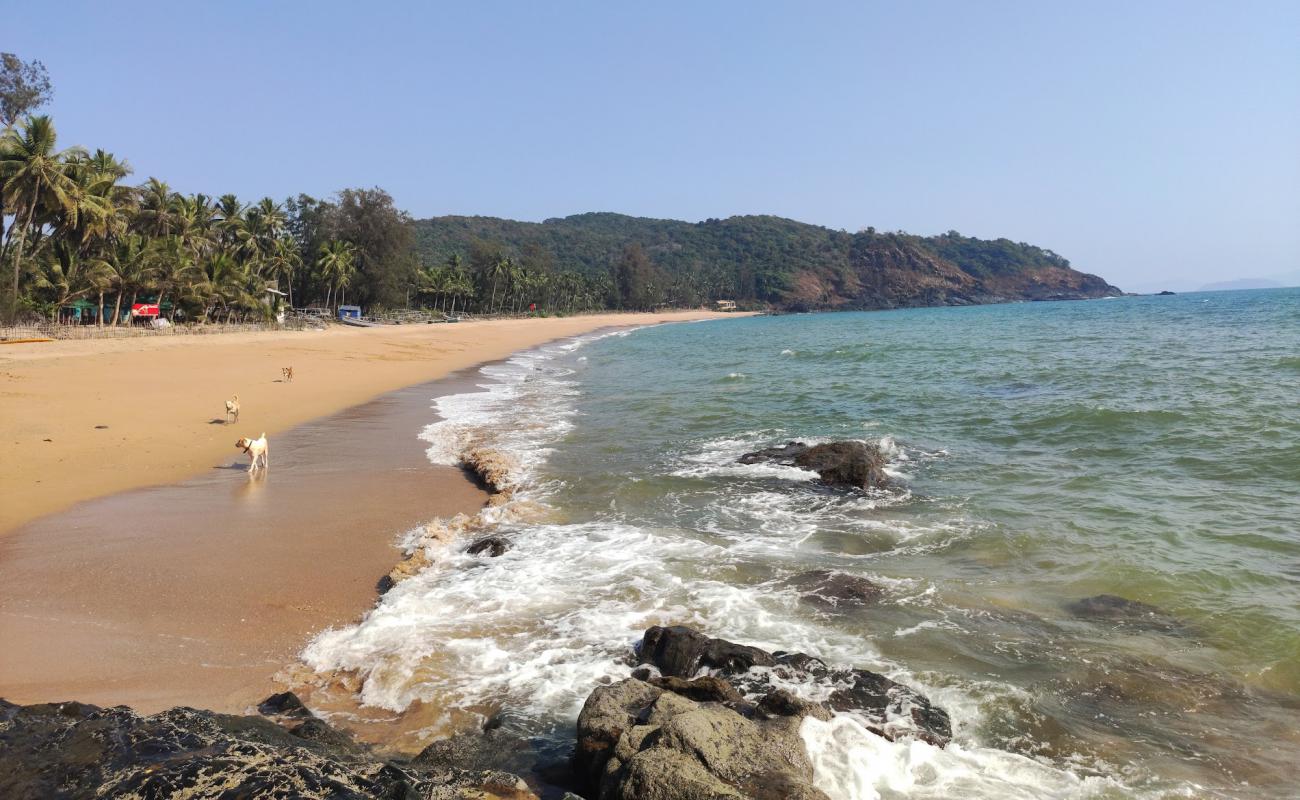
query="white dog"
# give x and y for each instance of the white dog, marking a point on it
(232, 409)
(256, 449)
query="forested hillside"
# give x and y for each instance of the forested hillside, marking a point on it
(762, 260)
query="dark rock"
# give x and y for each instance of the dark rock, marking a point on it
(74, 751)
(705, 689)
(1124, 612)
(317, 730)
(639, 745)
(849, 464)
(883, 700)
(492, 546)
(786, 454)
(1164, 293)
(384, 584)
(478, 751)
(284, 704)
(836, 591)
(883, 704)
(781, 703)
(680, 652)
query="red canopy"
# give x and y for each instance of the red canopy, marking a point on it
(145, 310)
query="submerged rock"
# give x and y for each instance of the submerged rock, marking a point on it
(849, 464)
(491, 546)
(1125, 612)
(885, 707)
(833, 591)
(74, 750)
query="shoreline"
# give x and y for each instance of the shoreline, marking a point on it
(201, 590)
(209, 604)
(89, 418)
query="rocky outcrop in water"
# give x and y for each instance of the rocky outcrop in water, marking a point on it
(637, 741)
(666, 734)
(75, 750)
(885, 707)
(849, 464)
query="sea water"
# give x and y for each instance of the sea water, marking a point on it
(1041, 453)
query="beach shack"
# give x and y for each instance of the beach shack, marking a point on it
(349, 312)
(725, 305)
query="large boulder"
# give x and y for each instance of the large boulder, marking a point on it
(848, 464)
(884, 706)
(637, 741)
(74, 750)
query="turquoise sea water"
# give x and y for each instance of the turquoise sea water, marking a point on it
(1043, 453)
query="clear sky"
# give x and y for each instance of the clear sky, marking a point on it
(1154, 143)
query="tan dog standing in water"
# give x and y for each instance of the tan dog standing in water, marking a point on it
(256, 449)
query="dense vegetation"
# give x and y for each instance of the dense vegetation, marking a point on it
(75, 233)
(763, 260)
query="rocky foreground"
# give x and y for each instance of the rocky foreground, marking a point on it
(699, 718)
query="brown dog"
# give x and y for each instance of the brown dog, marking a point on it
(287, 372)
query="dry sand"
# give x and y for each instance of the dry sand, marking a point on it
(198, 585)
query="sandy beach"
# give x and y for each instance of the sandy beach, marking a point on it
(140, 566)
(82, 419)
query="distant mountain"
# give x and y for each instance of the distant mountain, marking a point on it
(771, 260)
(1244, 283)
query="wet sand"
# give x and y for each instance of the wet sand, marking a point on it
(198, 593)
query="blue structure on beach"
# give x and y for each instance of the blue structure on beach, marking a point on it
(349, 312)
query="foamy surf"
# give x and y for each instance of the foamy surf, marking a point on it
(851, 763)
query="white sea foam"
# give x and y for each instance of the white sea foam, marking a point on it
(851, 763)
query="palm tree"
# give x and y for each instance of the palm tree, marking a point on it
(157, 216)
(335, 262)
(125, 269)
(502, 268)
(34, 179)
(172, 268)
(70, 276)
(283, 261)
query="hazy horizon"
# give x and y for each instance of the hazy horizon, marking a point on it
(1154, 146)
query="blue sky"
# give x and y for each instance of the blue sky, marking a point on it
(1154, 143)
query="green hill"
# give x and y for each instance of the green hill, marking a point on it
(765, 260)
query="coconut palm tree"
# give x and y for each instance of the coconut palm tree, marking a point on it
(36, 184)
(125, 265)
(157, 215)
(502, 268)
(283, 261)
(69, 276)
(335, 262)
(172, 268)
